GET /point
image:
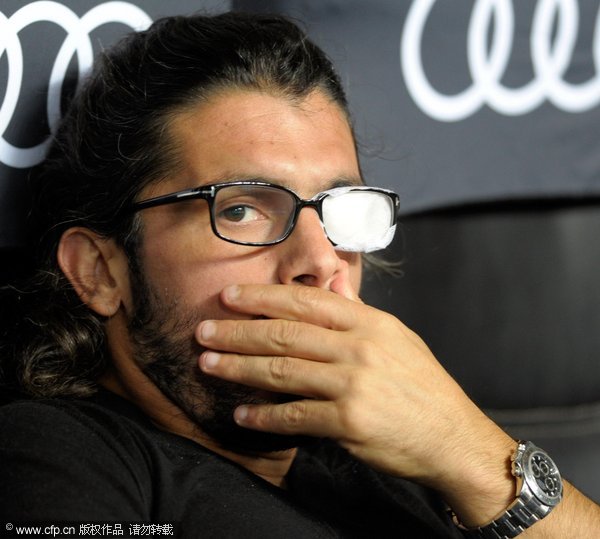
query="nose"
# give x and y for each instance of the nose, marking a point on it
(307, 255)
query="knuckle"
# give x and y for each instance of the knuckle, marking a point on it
(358, 389)
(365, 352)
(354, 383)
(280, 368)
(237, 333)
(307, 296)
(283, 334)
(294, 414)
(352, 420)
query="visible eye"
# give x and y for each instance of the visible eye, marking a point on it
(240, 214)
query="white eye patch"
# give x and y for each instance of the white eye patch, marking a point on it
(358, 219)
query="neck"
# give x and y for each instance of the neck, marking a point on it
(272, 466)
(125, 378)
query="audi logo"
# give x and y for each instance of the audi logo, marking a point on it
(551, 46)
(77, 42)
(554, 32)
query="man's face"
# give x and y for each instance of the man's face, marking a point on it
(182, 266)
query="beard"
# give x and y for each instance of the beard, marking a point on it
(162, 333)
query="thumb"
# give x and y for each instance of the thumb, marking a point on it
(342, 285)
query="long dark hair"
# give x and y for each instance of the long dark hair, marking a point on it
(111, 144)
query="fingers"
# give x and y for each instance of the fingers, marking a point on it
(343, 287)
(269, 337)
(275, 374)
(301, 321)
(310, 304)
(306, 417)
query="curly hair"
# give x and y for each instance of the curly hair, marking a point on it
(112, 143)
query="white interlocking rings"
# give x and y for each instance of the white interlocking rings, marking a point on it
(551, 47)
(77, 42)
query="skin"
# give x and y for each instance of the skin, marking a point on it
(288, 319)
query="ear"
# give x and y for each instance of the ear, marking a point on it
(96, 268)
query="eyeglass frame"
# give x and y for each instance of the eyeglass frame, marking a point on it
(209, 193)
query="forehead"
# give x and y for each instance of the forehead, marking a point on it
(305, 145)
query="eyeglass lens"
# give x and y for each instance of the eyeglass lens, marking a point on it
(253, 213)
(354, 220)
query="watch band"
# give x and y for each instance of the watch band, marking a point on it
(523, 513)
(533, 468)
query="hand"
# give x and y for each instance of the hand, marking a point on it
(365, 380)
(370, 383)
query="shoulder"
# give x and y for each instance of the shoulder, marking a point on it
(80, 452)
(71, 423)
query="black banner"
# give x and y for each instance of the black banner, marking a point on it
(45, 49)
(454, 101)
(460, 101)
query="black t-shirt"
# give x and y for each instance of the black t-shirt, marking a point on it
(102, 460)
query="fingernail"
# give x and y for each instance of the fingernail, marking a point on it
(241, 414)
(232, 293)
(208, 330)
(211, 360)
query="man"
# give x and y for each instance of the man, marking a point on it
(194, 350)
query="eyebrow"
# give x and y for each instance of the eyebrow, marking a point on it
(340, 181)
(346, 182)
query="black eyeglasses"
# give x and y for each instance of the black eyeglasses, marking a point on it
(354, 218)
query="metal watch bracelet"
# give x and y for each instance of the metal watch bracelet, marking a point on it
(541, 491)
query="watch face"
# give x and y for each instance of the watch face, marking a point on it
(543, 477)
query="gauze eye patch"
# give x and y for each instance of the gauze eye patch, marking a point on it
(359, 219)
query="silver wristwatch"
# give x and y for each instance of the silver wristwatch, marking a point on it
(539, 490)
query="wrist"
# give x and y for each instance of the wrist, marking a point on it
(539, 490)
(486, 486)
